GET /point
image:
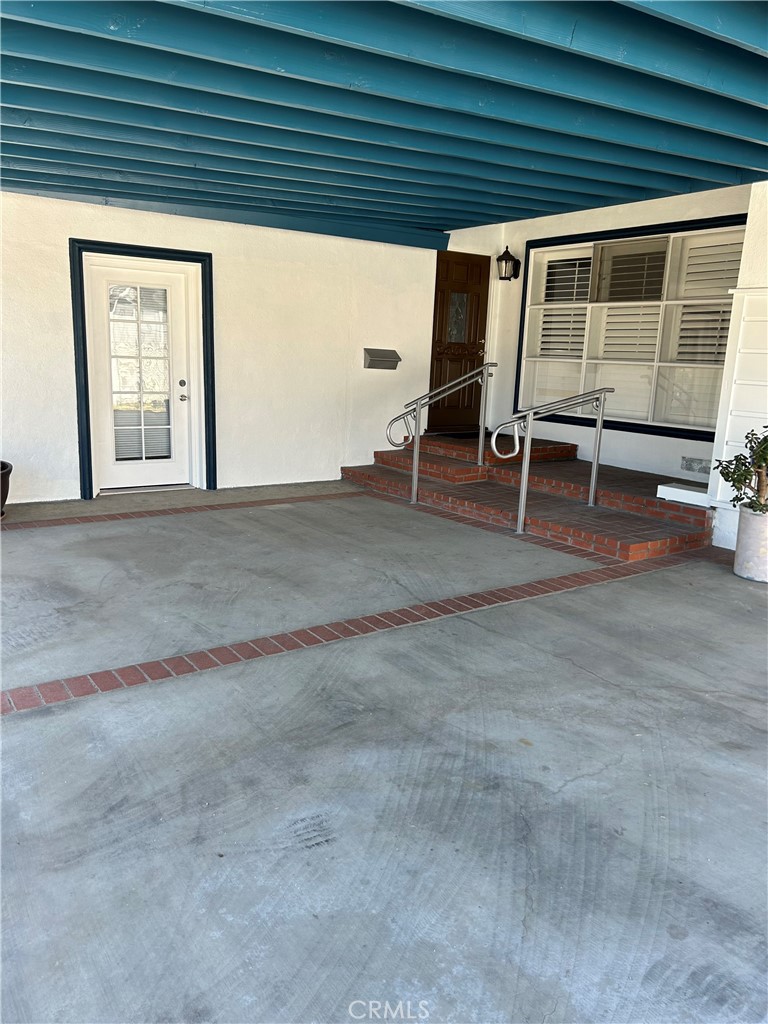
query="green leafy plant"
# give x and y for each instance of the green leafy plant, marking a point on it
(748, 473)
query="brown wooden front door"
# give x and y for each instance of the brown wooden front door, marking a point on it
(458, 336)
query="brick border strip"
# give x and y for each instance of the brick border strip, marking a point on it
(110, 517)
(56, 691)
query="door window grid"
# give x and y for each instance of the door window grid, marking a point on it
(141, 372)
(664, 358)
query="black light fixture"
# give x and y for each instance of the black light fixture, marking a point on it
(509, 266)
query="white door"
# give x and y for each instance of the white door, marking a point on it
(138, 330)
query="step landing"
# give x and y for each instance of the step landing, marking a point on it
(466, 450)
(610, 531)
(628, 490)
(623, 489)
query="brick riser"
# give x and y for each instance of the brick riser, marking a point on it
(543, 451)
(580, 538)
(459, 472)
(436, 468)
(657, 508)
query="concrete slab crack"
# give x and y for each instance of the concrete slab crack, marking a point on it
(589, 775)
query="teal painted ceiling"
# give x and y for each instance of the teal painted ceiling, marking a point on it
(392, 121)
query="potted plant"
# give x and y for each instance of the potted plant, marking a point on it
(5, 478)
(747, 473)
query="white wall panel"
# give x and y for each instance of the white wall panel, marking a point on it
(293, 313)
(744, 398)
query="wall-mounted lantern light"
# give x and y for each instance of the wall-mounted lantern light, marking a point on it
(509, 266)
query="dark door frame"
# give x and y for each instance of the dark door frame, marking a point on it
(78, 247)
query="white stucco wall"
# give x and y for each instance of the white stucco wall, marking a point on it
(619, 448)
(293, 313)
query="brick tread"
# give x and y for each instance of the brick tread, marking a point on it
(616, 532)
(622, 489)
(616, 488)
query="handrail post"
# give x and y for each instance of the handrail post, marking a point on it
(596, 450)
(416, 443)
(524, 471)
(483, 401)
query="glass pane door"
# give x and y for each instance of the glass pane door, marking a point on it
(141, 372)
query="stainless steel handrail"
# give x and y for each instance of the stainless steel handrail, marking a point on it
(524, 421)
(411, 418)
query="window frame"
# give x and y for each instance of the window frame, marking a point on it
(563, 241)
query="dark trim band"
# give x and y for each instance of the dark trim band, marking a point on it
(77, 249)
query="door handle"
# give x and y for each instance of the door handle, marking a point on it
(182, 398)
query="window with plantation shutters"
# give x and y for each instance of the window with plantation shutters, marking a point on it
(648, 316)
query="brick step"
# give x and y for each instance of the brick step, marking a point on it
(623, 489)
(466, 449)
(436, 467)
(624, 535)
(616, 488)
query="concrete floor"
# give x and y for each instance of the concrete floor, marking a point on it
(550, 811)
(101, 595)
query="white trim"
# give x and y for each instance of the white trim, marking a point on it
(684, 493)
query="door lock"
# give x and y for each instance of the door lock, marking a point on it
(182, 398)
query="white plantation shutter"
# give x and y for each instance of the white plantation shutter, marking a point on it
(711, 268)
(560, 332)
(636, 276)
(631, 271)
(567, 280)
(631, 332)
(703, 333)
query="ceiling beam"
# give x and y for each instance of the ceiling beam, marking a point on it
(170, 161)
(283, 54)
(357, 230)
(490, 207)
(476, 138)
(409, 35)
(287, 102)
(619, 36)
(733, 22)
(95, 184)
(408, 165)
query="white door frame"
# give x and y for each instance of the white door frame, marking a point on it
(198, 270)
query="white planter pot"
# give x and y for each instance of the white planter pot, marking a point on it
(751, 561)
